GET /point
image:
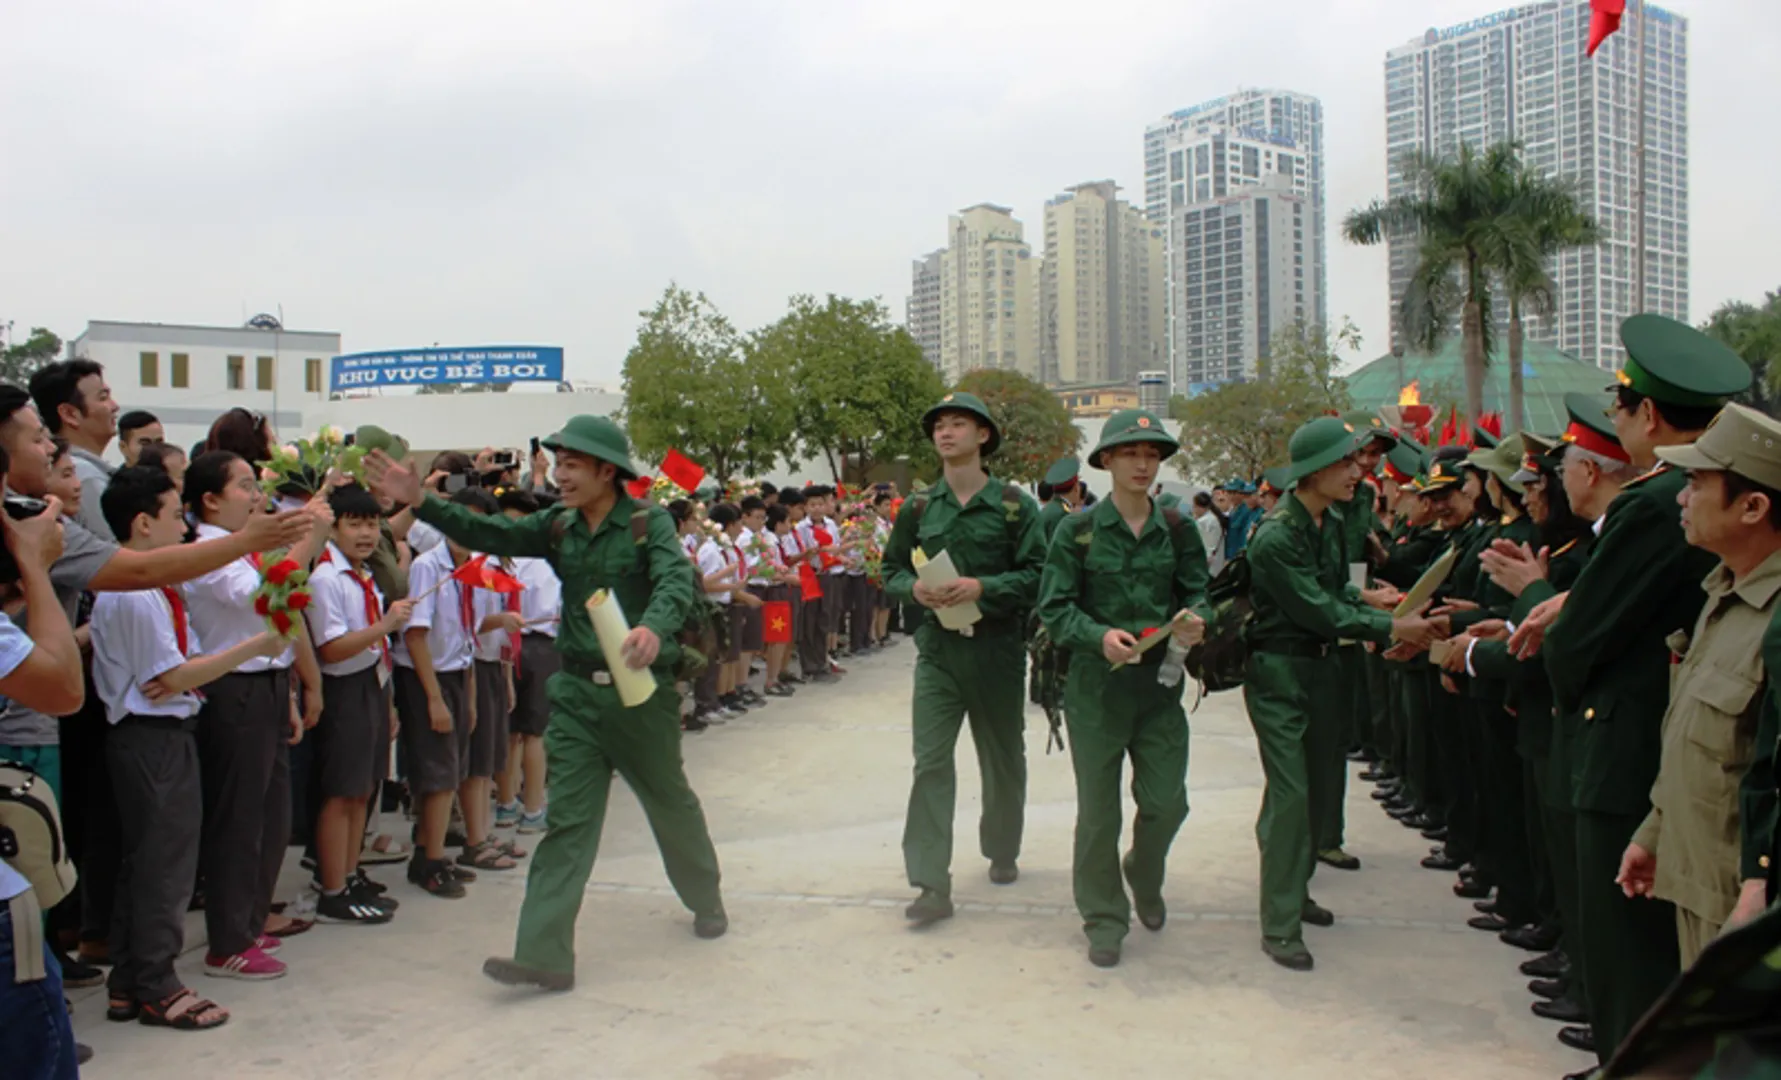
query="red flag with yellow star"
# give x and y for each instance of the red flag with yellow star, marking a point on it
(776, 622)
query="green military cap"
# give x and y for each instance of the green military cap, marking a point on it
(1233, 484)
(1403, 462)
(1482, 438)
(1278, 480)
(1443, 474)
(1537, 450)
(1739, 440)
(1132, 426)
(1674, 363)
(599, 438)
(1589, 427)
(1320, 444)
(971, 405)
(1063, 471)
(1363, 421)
(1502, 461)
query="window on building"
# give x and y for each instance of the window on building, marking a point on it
(182, 371)
(151, 369)
(237, 373)
(263, 373)
(312, 375)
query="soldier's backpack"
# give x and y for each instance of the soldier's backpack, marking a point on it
(1218, 661)
(31, 834)
(706, 632)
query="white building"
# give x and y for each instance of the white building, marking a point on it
(1100, 306)
(922, 315)
(988, 294)
(1209, 152)
(1521, 75)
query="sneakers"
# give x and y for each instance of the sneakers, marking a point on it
(268, 944)
(780, 690)
(506, 817)
(253, 965)
(534, 823)
(436, 877)
(347, 908)
(695, 724)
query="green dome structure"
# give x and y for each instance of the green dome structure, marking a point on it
(1547, 376)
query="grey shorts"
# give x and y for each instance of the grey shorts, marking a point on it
(488, 742)
(753, 626)
(834, 601)
(436, 761)
(352, 741)
(538, 661)
(738, 625)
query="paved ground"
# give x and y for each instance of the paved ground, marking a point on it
(819, 977)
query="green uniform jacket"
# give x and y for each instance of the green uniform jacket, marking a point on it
(1100, 577)
(1298, 573)
(1529, 689)
(1410, 554)
(1759, 795)
(651, 576)
(999, 544)
(1050, 514)
(1608, 655)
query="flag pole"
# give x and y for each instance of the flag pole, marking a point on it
(1639, 199)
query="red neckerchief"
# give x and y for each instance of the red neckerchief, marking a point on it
(372, 612)
(179, 617)
(513, 636)
(467, 609)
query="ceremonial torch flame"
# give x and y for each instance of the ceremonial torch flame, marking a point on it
(1410, 407)
(1412, 394)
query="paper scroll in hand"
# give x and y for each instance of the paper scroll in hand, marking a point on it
(936, 573)
(635, 686)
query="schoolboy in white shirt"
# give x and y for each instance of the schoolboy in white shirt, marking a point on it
(520, 799)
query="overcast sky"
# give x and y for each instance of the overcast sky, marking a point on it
(467, 173)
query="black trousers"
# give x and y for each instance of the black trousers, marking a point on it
(813, 650)
(154, 768)
(242, 734)
(90, 816)
(862, 606)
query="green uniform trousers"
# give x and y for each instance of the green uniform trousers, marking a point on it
(1380, 707)
(591, 735)
(1561, 841)
(1503, 813)
(1451, 730)
(1629, 945)
(1112, 715)
(1295, 705)
(982, 677)
(1353, 728)
(1545, 892)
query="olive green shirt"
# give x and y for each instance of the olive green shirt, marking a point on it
(1100, 576)
(1709, 735)
(650, 575)
(1759, 799)
(1050, 514)
(999, 544)
(1298, 572)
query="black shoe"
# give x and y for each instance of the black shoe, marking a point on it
(1418, 821)
(708, 927)
(511, 973)
(1436, 832)
(76, 974)
(1441, 861)
(82, 1053)
(1554, 965)
(1401, 811)
(1385, 792)
(1338, 858)
(1152, 914)
(1532, 938)
(1485, 907)
(780, 690)
(1550, 989)
(441, 880)
(1470, 889)
(1103, 956)
(1291, 955)
(1580, 1074)
(1003, 873)
(1361, 755)
(1581, 1037)
(1316, 914)
(929, 908)
(343, 908)
(1564, 1010)
(1494, 924)
(1376, 775)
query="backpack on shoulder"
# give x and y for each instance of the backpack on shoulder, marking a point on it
(31, 834)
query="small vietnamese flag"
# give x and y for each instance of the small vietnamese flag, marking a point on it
(809, 587)
(682, 470)
(776, 622)
(639, 488)
(478, 574)
(1604, 20)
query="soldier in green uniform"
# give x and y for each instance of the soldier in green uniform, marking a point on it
(1124, 568)
(1066, 494)
(991, 530)
(1304, 604)
(598, 538)
(1607, 649)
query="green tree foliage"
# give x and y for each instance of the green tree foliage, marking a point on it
(861, 381)
(1753, 332)
(19, 361)
(692, 384)
(1036, 428)
(1242, 428)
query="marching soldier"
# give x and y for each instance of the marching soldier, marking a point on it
(991, 530)
(1113, 574)
(598, 538)
(1300, 588)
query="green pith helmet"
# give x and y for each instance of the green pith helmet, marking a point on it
(1320, 444)
(1674, 363)
(1277, 480)
(1363, 421)
(971, 405)
(598, 437)
(1063, 472)
(1132, 426)
(1502, 461)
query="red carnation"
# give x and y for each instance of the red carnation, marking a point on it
(263, 606)
(281, 622)
(281, 570)
(1147, 631)
(298, 601)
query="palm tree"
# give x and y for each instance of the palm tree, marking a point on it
(1479, 219)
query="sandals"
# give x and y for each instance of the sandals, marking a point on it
(292, 928)
(184, 1011)
(509, 848)
(486, 856)
(384, 848)
(122, 1008)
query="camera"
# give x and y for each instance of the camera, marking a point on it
(18, 508)
(504, 459)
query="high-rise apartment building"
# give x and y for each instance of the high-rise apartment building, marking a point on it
(1239, 268)
(1521, 75)
(923, 310)
(1100, 307)
(1208, 153)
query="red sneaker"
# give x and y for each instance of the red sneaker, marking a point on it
(253, 964)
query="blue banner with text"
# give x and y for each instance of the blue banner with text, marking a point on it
(423, 367)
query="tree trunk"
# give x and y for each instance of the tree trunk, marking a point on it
(1472, 332)
(1516, 391)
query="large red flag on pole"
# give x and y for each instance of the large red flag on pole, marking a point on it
(1604, 19)
(682, 470)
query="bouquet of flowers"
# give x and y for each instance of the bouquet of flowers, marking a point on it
(763, 551)
(282, 595)
(306, 463)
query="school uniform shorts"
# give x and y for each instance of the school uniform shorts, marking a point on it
(437, 761)
(538, 661)
(352, 741)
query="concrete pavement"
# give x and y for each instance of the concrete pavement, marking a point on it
(820, 977)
